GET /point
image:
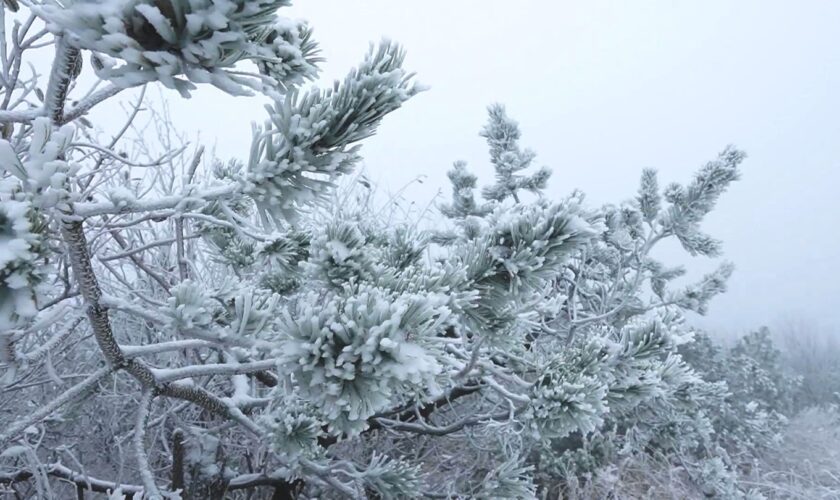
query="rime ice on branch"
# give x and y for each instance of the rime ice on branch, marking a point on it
(222, 321)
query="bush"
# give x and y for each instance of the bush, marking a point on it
(230, 328)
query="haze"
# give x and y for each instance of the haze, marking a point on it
(603, 90)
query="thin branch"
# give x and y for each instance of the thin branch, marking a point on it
(76, 393)
(89, 102)
(158, 243)
(169, 375)
(150, 488)
(166, 202)
(81, 480)
(23, 116)
(133, 351)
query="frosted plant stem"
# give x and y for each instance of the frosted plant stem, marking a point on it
(74, 238)
(89, 102)
(66, 58)
(151, 489)
(214, 369)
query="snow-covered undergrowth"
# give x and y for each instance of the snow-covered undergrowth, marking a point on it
(805, 466)
(769, 456)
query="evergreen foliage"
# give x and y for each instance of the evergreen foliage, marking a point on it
(181, 43)
(237, 330)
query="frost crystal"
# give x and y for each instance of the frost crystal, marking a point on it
(18, 270)
(43, 173)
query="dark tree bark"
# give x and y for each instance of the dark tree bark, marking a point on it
(177, 460)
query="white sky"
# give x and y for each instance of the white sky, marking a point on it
(604, 89)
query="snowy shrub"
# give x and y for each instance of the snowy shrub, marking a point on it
(810, 354)
(179, 325)
(354, 352)
(759, 397)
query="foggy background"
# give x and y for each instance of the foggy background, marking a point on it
(601, 91)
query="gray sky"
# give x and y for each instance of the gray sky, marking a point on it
(604, 89)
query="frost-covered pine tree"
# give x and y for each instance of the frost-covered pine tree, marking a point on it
(174, 325)
(600, 334)
(117, 280)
